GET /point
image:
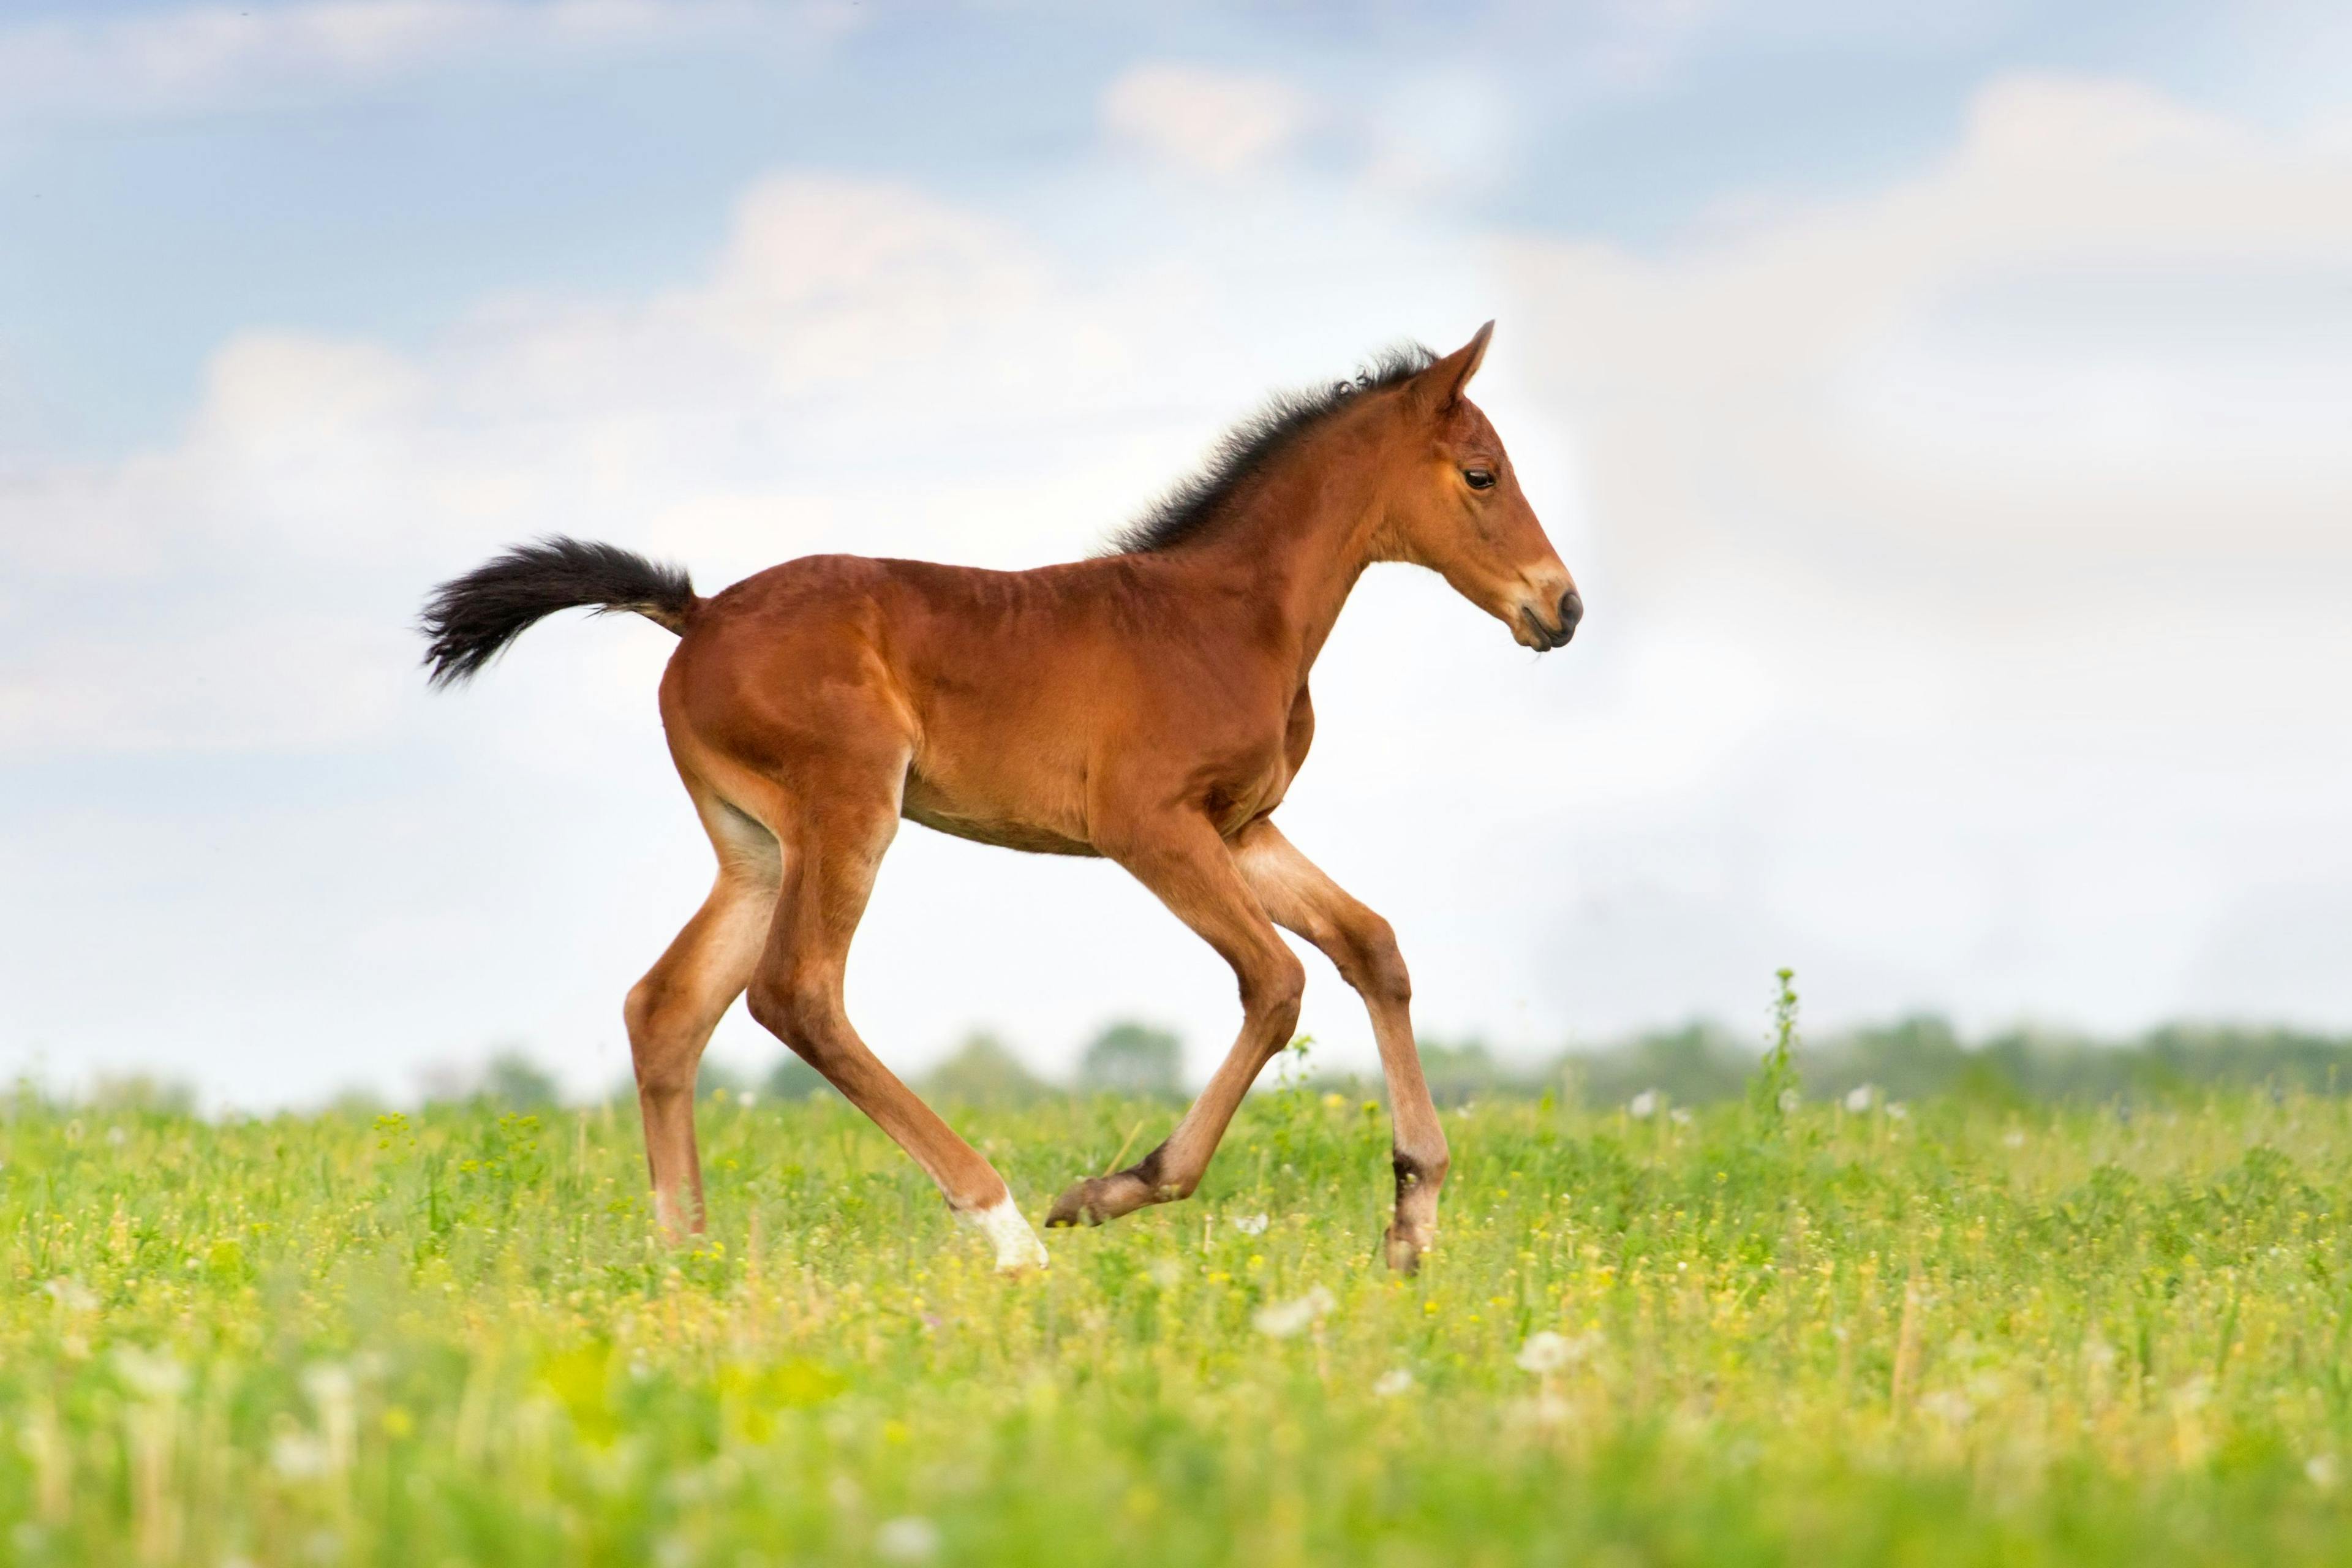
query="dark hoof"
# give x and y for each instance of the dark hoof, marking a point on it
(1076, 1205)
(1099, 1198)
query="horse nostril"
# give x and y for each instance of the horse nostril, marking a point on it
(1571, 610)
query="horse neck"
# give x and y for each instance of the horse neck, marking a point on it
(1304, 535)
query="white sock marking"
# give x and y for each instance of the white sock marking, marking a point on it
(1016, 1245)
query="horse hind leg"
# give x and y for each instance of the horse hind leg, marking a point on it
(835, 845)
(671, 1012)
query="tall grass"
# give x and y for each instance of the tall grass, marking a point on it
(1969, 1335)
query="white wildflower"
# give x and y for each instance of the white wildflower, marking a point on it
(298, 1455)
(1547, 1352)
(328, 1384)
(1286, 1318)
(116, 1137)
(2014, 1138)
(2320, 1469)
(747, 1098)
(910, 1537)
(152, 1376)
(1249, 1224)
(1896, 1110)
(1393, 1383)
(1680, 1116)
(71, 1294)
(1858, 1098)
(1643, 1105)
(1789, 1101)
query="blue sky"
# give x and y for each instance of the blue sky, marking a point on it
(388, 201)
(1937, 403)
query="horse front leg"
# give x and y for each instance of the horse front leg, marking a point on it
(1183, 861)
(1363, 948)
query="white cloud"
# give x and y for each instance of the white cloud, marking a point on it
(1216, 123)
(2030, 467)
(200, 57)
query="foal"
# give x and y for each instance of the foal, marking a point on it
(1148, 706)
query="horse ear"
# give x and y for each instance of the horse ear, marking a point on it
(1442, 382)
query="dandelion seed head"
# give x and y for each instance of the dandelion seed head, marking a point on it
(1288, 1319)
(298, 1455)
(1547, 1351)
(71, 1294)
(328, 1383)
(151, 1374)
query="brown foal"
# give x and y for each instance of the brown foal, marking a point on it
(1148, 706)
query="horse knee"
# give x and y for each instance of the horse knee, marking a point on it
(1380, 975)
(637, 1010)
(1275, 993)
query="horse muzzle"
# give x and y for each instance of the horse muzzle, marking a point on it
(1544, 638)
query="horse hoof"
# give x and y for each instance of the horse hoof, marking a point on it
(1076, 1206)
(1404, 1252)
(1018, 1250)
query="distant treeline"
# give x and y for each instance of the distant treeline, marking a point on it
(1915, 1059)
(1912, 1059)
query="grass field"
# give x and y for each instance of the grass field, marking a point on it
(1962, 1335)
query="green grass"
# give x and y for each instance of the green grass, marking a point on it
(1971, 1335)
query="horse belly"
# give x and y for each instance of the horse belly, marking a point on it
(925, 803)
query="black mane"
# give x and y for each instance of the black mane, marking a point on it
(1252, 447)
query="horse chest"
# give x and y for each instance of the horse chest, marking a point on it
(1248, 791)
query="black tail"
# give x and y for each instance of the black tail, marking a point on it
(469, 620)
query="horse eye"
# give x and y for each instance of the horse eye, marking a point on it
(1480, 479)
